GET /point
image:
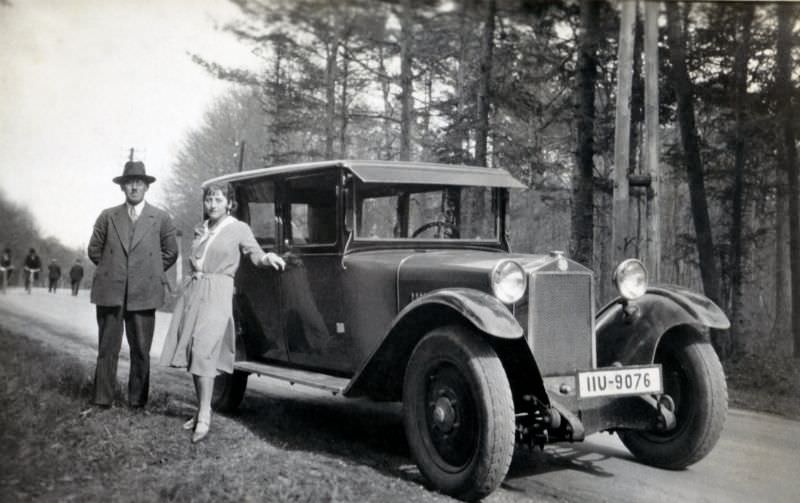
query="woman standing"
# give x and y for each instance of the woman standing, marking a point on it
(201, 334)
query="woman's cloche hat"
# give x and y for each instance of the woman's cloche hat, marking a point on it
(134, 169)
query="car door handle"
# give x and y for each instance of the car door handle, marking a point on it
(292, 260)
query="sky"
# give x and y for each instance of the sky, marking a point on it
(83, 81)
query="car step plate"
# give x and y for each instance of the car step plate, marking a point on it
(333, 384)
(619, 381)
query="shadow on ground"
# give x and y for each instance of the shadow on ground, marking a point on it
(366, 432)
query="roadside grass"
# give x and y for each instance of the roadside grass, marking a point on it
(765, 382)
(58, 448)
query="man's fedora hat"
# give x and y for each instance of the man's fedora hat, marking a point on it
(134, 169)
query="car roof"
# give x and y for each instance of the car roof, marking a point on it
(400, 172)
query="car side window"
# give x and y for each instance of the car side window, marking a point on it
(262, 217)
(257, 209)
(312, 209)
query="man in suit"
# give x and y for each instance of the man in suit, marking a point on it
(75, 276)
(33, 264)
(132, 246)
(53, 275)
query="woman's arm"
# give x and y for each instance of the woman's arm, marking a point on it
(249, 246)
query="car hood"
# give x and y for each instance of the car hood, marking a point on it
(413, 273)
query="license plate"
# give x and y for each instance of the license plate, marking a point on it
(639, 380)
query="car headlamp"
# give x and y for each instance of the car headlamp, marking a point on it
(508, 281)
(630, 279)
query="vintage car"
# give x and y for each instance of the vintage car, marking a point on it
(400, 285)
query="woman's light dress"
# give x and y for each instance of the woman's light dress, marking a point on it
(201, 335)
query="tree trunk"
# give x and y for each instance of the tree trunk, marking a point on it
(484, 90)
(637, 93)
(386, 123)
(425, 118)
(651, 149)
(789, 158)
(330, 94)
(621, 225)
(694, 165)
(451, 199)
(451, 205)
(274, 92)
(739, 103)
(406, 82)
(460, 136)
(582, 238)
(344, 117)
(782, 324)
(406, 110)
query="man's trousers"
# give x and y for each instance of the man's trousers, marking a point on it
(139, 326)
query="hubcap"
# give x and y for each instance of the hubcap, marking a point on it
(451, 422)
(444, 414)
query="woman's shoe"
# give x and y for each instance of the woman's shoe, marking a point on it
(190, 424)
(200, 431)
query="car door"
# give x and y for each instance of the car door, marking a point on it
(311, 300)
(257, 299)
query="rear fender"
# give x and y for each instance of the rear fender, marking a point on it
(381, 376)
(629, 332)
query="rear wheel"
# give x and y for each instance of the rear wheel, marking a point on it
(229, 391)
(694, 379)
(459, 412)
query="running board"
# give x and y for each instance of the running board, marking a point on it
(332, 384)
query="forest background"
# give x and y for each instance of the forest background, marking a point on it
(531, 86)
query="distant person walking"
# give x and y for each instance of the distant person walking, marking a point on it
(75, 276)
(33, 264)
(6, 268)
(133, 245)
(53, 275)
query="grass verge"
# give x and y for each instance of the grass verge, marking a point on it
(57, 448)
(766, 382)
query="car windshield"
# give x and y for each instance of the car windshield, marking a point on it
(424, 212)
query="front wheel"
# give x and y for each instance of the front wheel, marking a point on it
(694, 379)
(458, 412)
(229, 391)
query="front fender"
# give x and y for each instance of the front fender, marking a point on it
(381, 375)
(482, 310)
(629, 334)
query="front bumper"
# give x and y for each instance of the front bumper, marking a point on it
(584, 416)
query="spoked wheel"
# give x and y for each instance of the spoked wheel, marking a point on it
(229, 391)
(459, 413)
(694, 379)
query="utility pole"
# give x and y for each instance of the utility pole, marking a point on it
(621, 200)
(653, 261)
(650, 180)
(130, 154)
(241, 155)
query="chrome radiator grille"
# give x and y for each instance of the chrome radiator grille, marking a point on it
(561, 321)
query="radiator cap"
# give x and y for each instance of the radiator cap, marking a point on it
(562, 260)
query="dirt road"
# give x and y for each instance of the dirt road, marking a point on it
(756, 458)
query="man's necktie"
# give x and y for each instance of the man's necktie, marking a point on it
(132, 213)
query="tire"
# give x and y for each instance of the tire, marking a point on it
(694, 379)
(229, 391)
(458, 413)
